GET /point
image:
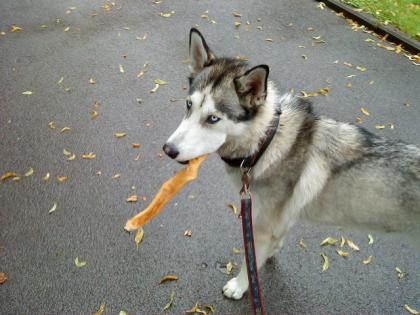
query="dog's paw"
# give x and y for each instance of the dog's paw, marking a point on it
(234, 289)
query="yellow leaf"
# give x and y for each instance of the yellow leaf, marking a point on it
(329, 241)
(62, 179)
(167, 14)
(370, 237)
(122, 313)
(321, 5)
(60, 81)
(139, 236)
(188, 233)
(195, 309)
(89, 156)
(236, 250)
(66, 152)
(65, 129)
(368, 260)
(171, 301)
(94, 114)
(120, 135)
(155, 88)
(121, 68)
(209, 308)
(233, 207)
(116, 176)
(79, 263)
(236, 14)
(229, 268)
(342, 253)
(324, 91)
(46, 177)
(380, 126)
(101, 309)
(160, 82)
(132, 198)
(237, 24)
(168, 278)
(27, 93)
(364, 111)
(342, 241)
(302, 243)
(411, 310)
(67, 29)
(51, 125)
(72, 157)
(92, 81)
(400, 273)
(349, 85)
(326, 262)
(53, 208)
(363, 69)
(352, 245)
(16, 29)
(30, 172)
(269, 40)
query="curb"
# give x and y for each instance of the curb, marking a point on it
(394, 35)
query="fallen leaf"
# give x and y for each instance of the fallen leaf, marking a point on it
(92, 81)
(67, 29)
(72, 157)
(324, 91)
(195, 310)
(121, 68)
(370, 237)
(209, 308)
(101, 309)
(132, 198)
(120, 135)
(8, 175)
(137, 157)
(65, 129)
(342, 253)
(364, 111)
(53, 208)
(229, 267)
(242, 58)
(342, 241)
(51, 125)
(400, 273)
(380, 126)
(237, 24)
(89, 156)
(46, 177)
(321, 5)
(236, 14)
(349, 85)
(139, 236)
(3, 277)
(61, 80)
(79, 263)
(135, 145)
(359, 120)
(347, 64)
(94, 114)
(236, 250)
(368, 260)
(233, 207)
(155, 88)
(16, 29)
(326, 262)
(122, 313)
(62, 179)
(27, 93)
(66, 152)
(329, 241)
(411, 310)
(352, 245)
(160, 82)
(305, 57)
(116, 176)
(188, 233)
(168, 278)
(269, 40)
(171, 301)
(29, 172)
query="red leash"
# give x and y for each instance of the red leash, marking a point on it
(249, 245)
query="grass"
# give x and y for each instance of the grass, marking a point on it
(403, 14)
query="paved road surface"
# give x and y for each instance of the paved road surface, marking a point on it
(38, 249)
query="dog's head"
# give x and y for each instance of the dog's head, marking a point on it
(224, 96)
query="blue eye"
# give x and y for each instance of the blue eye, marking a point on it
(211, 119)
(188, 103)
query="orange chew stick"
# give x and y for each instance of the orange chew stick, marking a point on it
(168, 190)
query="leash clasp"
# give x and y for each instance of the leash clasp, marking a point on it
(246, 179)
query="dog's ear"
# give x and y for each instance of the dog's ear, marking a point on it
(252, 86)
(200, 54)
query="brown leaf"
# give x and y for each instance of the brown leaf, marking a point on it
(101, 309)
(8, 175)
(168, 278)
(135, 145)
(3, 277)
(62, 178)
(94, 114)
(188, 233)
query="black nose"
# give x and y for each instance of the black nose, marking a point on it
(170, 150)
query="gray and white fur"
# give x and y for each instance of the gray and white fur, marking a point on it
(315, 169)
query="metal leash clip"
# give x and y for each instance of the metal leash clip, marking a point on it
(246, 179)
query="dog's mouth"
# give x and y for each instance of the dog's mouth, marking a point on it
(183, 162)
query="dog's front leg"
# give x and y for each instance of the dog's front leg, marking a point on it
(236, 287)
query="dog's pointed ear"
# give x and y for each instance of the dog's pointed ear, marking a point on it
(252, 86)
(200, 54)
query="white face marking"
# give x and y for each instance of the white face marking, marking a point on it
(195, 137)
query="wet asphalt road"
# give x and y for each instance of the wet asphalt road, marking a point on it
(38, 249)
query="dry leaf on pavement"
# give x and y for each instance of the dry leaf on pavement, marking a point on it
(168, 278)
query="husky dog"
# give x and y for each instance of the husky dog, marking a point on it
(314, 168)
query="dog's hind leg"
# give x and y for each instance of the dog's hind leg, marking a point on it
(236, 287)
